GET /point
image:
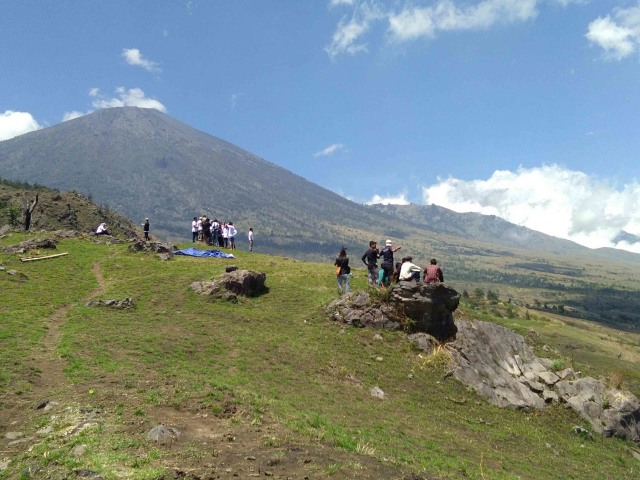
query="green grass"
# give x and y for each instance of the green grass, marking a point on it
(278, 358)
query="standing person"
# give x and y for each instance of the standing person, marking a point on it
(409, 270)
(200, 220)
(27, 213)
(194, 230)
(206, 230)
(387, 262)
(225, 235)
(145, 228)
(232, 236)
(250, 238)
(433, 273)
(342, 270)
(370, 259)
(215, 232)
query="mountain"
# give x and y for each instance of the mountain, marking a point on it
(143, 163)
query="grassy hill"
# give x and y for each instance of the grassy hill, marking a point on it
(268, 386)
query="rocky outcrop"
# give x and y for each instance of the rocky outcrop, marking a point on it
(493, 360)
(230, 284)
(409, 306)
(611, 411)
(497, 363)
(146, 246)
(27, 245)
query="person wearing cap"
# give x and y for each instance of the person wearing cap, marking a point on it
(342, 271)
(409, 270)
(145, 228)
(387, 261)
(433, 273)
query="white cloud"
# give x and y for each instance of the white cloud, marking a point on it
(399, 199)
(335, 3)
(13, 124)
(73, 114)
(409, 20)
(133, 97)
(346, 38)
(330, 150)
(617, 34)
(550, 199)
(445, 15)
(133, 56)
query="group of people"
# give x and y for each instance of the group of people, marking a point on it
(389, 271)
(215, 233)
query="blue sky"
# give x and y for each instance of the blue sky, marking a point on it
(526, 109)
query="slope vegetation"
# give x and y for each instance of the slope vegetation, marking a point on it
(269, 386)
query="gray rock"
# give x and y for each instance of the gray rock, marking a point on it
(238, 282)
(483, 357)
(377, 393)
(566, 374)
(163, 434)
(411, 306)
(423, 341)
(534, 386)
(549, 396)
(13, 435)
(549, 378)
(611, 412)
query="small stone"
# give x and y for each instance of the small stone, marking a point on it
(379, 359)
(43, 432)
(78, 450)
(378, 393)
(13, 435)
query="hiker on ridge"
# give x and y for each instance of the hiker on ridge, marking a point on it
(409, 270)
(370, 259)
(433, 273)
(387, 262)
(145, 228)
(342, 270)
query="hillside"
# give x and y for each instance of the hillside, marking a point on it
(269, 386)
(57, 210)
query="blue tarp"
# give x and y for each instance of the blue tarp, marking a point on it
(194, 252)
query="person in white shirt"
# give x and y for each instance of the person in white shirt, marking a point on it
(232, 236)
(409, 271)
(102, 229)
(225, 235)
(215, 233)
(250, 237)
(194, 229)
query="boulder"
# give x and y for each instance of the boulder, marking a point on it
(410, 306)
(430, 307)
(230, 284)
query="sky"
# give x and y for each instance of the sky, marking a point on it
(524, 109)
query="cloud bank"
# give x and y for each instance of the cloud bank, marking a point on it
(409, 20)
(13, 124)
(550, 199)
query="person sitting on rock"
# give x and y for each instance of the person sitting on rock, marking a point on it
(102, 229)
(433, 273)
(409, 271)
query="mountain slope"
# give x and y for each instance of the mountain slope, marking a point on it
(143, 163)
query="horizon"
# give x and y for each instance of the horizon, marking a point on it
(521, 109)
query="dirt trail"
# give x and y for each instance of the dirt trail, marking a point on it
(48, 363)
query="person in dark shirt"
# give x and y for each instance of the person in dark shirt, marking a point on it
(145, 228)
(387, 262)
(342, 271)
(370, 259)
